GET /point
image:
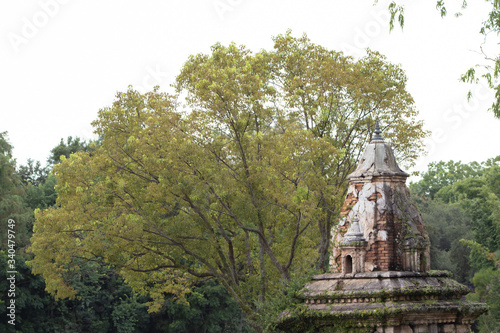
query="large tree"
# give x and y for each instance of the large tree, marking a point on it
(241, 183)
(338, 98)
(12, 205)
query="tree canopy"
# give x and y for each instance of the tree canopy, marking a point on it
(237, 176)
(12, 205)
(67, 148)
(105, 303)
(463, 211)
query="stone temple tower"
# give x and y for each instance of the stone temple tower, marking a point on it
(392, 235)
(380, 278)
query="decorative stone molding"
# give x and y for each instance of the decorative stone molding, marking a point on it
(353, 250)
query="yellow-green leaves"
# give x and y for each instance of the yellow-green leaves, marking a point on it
(339, 97)
(243, 186)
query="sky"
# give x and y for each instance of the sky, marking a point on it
(63, 60)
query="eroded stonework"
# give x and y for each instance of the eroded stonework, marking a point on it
(383, 302)
(390, 223)
(392, 227)
(380, 278)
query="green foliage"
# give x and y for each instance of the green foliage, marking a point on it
(339, 97)
(396, 11)
(105, 302)
(67, 148)
(487, 290)
(238, 187)
(210, 309)
(481, 258)
(446, 225)
(129, 315)
(441, 174)
(477, 197)
(465, 216)
(33, 173)
(12, 205)
(36, 310)
(274, 306)
(43, 195)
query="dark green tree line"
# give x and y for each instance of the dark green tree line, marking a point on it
(461, 205)
(105, 303)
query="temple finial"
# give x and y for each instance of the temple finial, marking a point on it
(377, 132)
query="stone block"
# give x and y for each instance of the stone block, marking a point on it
(448, 328)
(421, 329)
(405, 329)
(463, 329)
(433, 328)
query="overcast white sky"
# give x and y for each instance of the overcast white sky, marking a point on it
(63, 60)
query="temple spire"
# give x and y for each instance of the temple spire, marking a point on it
(378, 159)
(377, 136)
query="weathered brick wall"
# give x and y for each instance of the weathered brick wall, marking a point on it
(384, 250)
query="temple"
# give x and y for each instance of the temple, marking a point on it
(378, 206)
(380, 278)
